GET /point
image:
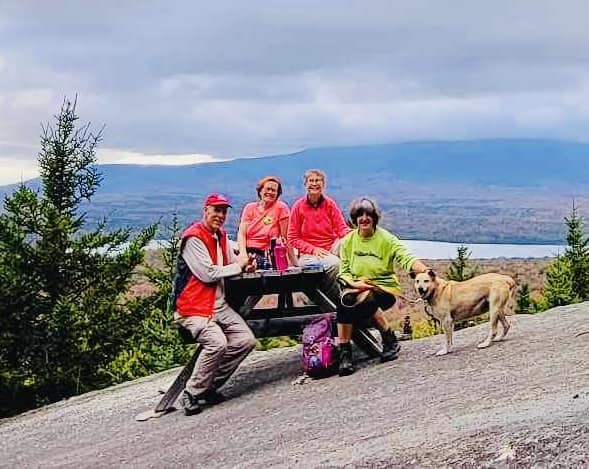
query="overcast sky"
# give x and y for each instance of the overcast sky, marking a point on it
(185, 81)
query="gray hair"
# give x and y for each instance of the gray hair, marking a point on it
(364, 205)
(317, 172)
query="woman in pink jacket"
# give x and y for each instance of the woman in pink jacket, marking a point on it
(263, 220)
(315, 228)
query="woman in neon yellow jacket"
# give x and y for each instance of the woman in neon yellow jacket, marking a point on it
(368, 255)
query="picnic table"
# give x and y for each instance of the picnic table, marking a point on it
(243, 293)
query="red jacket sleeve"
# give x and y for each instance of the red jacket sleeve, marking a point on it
(294, 232)
(339, 222)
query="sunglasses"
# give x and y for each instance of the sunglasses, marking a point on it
(365, 206)
(360, 212)
(222, 210)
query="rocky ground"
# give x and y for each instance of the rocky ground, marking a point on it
(520, 403)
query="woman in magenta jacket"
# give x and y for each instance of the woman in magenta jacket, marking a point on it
(315, 228)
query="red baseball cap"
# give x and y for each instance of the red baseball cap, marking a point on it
(217, 200)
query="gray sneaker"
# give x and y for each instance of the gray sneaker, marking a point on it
(210, 397)
(190, 404)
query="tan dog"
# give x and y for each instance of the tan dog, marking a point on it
(449, 301)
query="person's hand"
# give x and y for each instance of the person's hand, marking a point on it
(251, 264)
(361, 285)
(243, 260)
(242, 256)
(320, 252)
(419, 267)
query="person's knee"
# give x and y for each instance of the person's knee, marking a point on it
(331, 263)
(216, 346)
(249, 342)
(245, 342)
(359, 316)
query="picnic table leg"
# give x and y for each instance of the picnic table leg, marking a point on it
(248, 304)
(367, 342)
(321, 300)
(167, 401)
(285, 301)
(361, 336)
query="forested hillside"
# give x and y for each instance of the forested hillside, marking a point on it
(515, 191)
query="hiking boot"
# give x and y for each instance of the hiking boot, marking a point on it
(390, 346)
(210, 397)
(346, 365)
(190, 404)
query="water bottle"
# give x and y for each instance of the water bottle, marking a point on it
(267, 261)
(261, 261)
(272, 256)
(280, 258)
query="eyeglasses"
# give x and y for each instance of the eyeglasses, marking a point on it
(363, 207)
(360, 212)
(314, 180)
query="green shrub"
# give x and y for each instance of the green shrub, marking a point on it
(267, 343)
(523, 300)
(424, 328)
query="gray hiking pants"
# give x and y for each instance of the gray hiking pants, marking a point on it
(331, 264)
(226, 340)
(331, 268)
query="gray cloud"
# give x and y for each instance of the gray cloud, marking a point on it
(262, 77)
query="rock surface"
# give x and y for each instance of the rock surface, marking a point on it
(523, 402)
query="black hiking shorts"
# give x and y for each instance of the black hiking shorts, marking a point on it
(362, 313)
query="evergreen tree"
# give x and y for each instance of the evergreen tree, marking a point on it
(63, 313)
(558, 287)
(154, 346)
(460, 268)
(567, 278)
(523, 301)
(577, 255)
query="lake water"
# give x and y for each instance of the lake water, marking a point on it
(440, 250)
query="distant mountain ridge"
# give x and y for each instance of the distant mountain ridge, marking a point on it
(514, 163)
(504, 162)
(493, 179)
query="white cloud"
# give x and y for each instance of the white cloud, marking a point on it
(14, 171)
(114, 156)
(33, 99)
(192, 79)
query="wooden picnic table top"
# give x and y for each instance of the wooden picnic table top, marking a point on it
(275, 281)
(287, 318)
(244, 291)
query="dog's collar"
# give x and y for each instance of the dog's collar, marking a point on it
(428, 309)
(428, 297)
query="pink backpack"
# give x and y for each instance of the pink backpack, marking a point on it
(319, 352)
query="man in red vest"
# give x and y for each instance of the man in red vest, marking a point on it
(200, 305)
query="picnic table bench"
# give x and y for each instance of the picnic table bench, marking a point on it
(244, 291)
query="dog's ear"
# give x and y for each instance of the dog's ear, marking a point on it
(431, 273)
(412, 275)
